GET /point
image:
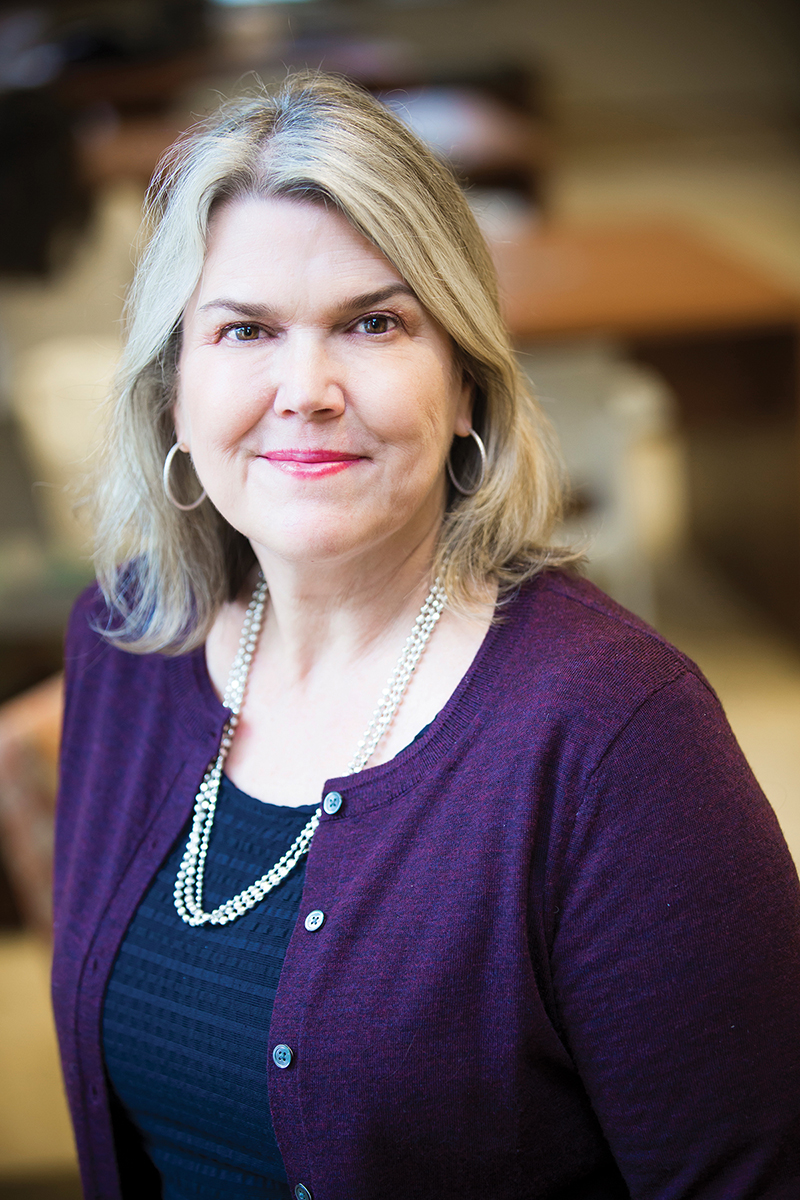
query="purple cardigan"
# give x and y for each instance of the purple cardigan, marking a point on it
(561, 953)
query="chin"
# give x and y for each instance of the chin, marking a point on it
(325, 535)
(312, 546)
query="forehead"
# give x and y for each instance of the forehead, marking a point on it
(288, 241)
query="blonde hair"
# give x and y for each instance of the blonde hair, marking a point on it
(165, 573)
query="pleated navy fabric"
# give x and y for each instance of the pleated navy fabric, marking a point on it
(187, 1012)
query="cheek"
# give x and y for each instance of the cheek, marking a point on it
(212, 406)
(419, 408)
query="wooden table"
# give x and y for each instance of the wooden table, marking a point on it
(726, 338)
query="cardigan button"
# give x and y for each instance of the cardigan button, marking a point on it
(332, 803)
(282, 1056)
(314, 920)
(302, 1193)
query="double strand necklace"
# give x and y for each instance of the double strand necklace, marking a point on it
(189, 882)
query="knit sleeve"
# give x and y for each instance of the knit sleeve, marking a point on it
(676, 960)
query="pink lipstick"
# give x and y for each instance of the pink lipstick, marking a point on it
(311, 464)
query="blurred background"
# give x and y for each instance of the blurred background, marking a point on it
(636, 168)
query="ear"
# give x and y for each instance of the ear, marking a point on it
(463, 422)
(181, 424)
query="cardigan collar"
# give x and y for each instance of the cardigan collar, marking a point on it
(204, 716)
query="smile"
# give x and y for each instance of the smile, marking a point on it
(311, 464)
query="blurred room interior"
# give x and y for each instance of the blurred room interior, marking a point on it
(636, 167)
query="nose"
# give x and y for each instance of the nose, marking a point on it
(307, 379)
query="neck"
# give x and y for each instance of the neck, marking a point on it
(343, 611)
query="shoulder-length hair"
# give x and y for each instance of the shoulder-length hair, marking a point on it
(164, 572)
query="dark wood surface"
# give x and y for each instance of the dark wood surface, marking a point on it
(632, 280)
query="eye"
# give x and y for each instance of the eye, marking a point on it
(377, 323)
(243, 333)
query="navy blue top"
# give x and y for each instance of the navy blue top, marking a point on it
(187, 1012)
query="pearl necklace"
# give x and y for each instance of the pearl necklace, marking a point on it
(189, 882)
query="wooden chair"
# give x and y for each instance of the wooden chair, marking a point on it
(30, 727)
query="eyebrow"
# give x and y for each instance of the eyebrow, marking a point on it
(262, 312)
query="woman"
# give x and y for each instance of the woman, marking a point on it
(535, 934)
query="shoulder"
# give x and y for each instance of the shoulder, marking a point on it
(636, 739)
(90, 648)
(573, 677)
(108, 683)
(98, 673)
(89, 619)
(580, 645)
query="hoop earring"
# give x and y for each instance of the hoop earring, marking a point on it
(481, 478)
(173, 450)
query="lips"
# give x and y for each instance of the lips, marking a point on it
(311, 464)
(310, 456)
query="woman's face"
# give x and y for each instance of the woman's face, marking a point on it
(316, 395)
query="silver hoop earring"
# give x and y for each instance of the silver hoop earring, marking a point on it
(173, 450)
(481, 478)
